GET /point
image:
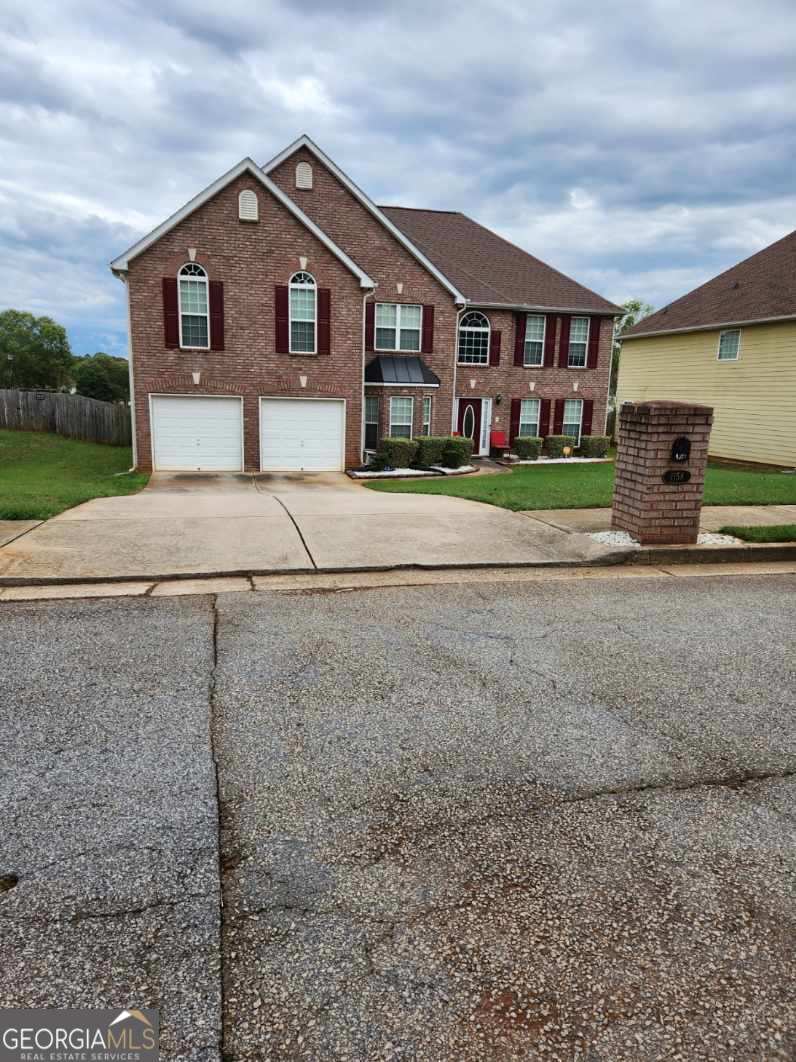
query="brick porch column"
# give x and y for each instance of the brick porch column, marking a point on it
(658, 498)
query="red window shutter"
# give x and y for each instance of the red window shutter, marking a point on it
(549, 357)
(544, 417)
(558, 417)
(494, 348)
(171, 323)
(520, 322)
(427, 344)
(514, 422)
(216, 296)
(324, 321)
(282, 319)
(585, 424)
(563, 346)
(594, 343)
(370, 325)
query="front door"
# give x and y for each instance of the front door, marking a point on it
(470, 421)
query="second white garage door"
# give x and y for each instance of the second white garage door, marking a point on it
(197, 433)
(302, 435)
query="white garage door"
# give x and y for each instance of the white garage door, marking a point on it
(301, 435)
(197, 433)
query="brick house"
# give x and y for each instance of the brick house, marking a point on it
(280, 320)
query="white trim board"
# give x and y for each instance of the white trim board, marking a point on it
(120, 265)
(726, 325)
(305, 142)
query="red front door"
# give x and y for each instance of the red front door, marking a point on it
(470, 421)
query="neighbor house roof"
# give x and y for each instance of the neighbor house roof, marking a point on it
(761, 288)
(248, 166)
(489, 270)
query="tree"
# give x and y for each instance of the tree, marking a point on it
(34, 351)
(102, 376)
(634, 310)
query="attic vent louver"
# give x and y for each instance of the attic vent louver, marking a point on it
(303, 175)
(247, 206)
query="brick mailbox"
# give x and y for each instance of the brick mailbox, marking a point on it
(661, 458)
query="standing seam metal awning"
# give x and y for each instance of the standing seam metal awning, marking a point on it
(400, 370)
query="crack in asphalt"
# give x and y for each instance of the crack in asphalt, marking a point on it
(220, 824)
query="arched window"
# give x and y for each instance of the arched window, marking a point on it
(303, 175)
(247, 205)
(303, 315)
(194, 314)
(474, 339)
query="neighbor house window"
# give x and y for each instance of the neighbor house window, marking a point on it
(194, 314)
(474, 339)
(371, 422)
(401, 418)
(730, 345)
(534, 339)
(303, 294)
(426, 416)
(578, 342)
(529, 416)
(398, 326)
(573, 414)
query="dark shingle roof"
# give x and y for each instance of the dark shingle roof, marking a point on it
(756, 289)
(488, 269)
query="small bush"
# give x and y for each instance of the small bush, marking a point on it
(395, 453)
(554, 444)
(430, 449)
(527, 447)
(594, 445)
(457, 451)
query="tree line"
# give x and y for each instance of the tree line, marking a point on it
(35, 355)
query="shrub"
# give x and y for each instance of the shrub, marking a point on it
(395, 453)
(430, 449)
(594, 445)
(457, 451)
(527, 447)
(554, 444)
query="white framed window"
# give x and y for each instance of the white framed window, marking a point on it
(401, 410)
(729, 345)
(573, 416)
(398, 326)
(426, 430)
(194, 309)
(578, 342)
(371, 422)
(303, 313)
(474, 339)
(530, 409)
(248, 209)
(303, 175)
(534, 339)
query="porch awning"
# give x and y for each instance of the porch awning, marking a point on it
(398, 370)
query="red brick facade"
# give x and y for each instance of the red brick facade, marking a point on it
(252, 258)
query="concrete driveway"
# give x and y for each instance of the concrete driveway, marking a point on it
(236, 524)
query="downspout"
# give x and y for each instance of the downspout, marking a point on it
(365, 297)
(614, 321)
(130, 375)
(455, 364)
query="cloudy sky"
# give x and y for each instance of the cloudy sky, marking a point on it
(640, 147)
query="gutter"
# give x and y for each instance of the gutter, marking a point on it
(708, 327)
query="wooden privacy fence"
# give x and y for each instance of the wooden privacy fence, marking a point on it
(74, 416)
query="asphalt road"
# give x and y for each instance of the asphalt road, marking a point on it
(458, 822)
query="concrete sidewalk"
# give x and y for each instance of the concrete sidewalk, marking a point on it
(714, 517)
(190, 525)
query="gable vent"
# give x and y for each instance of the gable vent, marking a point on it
(247, 206)
(304, 175)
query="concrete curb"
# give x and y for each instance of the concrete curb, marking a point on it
(654, 555)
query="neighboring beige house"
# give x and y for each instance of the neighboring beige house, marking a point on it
(730, 344)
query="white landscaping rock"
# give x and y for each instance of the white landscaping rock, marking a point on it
(622, 538)
(396, 472)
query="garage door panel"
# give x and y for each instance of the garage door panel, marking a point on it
(301, 435)
(197, 433)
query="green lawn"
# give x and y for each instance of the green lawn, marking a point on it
(43, 474)
(590, 486)
(772, 533)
